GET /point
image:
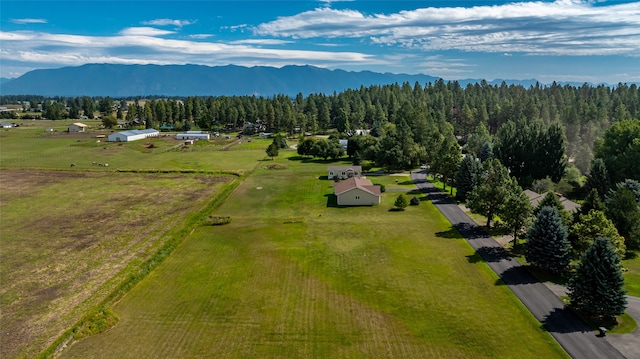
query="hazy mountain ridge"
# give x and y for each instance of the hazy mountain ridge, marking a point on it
(199, 80)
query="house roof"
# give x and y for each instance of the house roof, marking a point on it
(535, 199)
(80, 124)
(345, 168)
(355, 182)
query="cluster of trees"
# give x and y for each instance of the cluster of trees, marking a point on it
(598, 235)
(584, 113)
(321, 148)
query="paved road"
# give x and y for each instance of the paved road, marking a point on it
(567, 328)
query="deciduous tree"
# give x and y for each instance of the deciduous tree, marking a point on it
(590, 226)
(493, 189)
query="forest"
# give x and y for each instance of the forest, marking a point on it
(423, 116)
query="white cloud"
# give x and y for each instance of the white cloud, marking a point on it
(260, 42)
(141, 46)
(144, 31)
(166, 22)
(200, 36)
(564, 27)
(28, 21)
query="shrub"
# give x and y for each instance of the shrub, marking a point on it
(414, 201)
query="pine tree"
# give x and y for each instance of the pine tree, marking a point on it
(486, 152)
(591, 202)
(597, 286)
(624, 212)
(466, 178)
(552, 200)
(598, 178)
(547, 246)
(401, 202)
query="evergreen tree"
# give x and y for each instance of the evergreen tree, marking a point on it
(632, 185)
(486, 152)
(591, 202)
(597, 286)
(552, 200)
(272, 150)
(624, 212)
(401, 202)
(477, 139)
(467, 176)
(598, 178)
(593, 225)
(547, 246)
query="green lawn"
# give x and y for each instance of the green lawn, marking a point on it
(632, 276)
(291, 277)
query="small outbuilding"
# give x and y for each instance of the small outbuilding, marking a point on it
(133, 135)
(77, 127)
(356, 191)
(342, 172)
(193, 135)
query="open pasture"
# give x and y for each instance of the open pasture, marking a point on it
(66, 238)
(32, 147)
(294, 277)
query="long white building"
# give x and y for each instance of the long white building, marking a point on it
(133, 135)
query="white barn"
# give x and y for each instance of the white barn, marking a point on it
(77, 127)
(193, 136)
(132, 135)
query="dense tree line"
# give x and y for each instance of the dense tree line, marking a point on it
(582, 113)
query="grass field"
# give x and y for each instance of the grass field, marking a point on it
(293, 277)
(66, 236)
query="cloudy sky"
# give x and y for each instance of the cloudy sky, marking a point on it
(564, 40)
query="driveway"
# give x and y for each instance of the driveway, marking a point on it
(567, 328)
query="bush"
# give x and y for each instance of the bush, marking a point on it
(414, 201)
(217, 220)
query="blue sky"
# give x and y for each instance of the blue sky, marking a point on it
(564, 40)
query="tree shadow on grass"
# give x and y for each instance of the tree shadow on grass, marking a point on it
(451, 233)
(306, 159)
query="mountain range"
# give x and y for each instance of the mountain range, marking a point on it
(198, 80)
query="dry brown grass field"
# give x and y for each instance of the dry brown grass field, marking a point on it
(66, 238)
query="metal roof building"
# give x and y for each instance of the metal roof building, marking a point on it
(132, 135)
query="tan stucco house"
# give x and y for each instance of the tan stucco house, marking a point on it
(342, 172)
(356, 191)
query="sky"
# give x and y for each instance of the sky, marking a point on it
(564, 40)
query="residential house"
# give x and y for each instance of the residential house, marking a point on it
(535, 198)
(356, 191)
(342, 172)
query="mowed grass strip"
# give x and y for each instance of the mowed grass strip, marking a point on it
(65, 237)
(336, 283)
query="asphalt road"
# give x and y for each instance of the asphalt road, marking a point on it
(568, 329)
